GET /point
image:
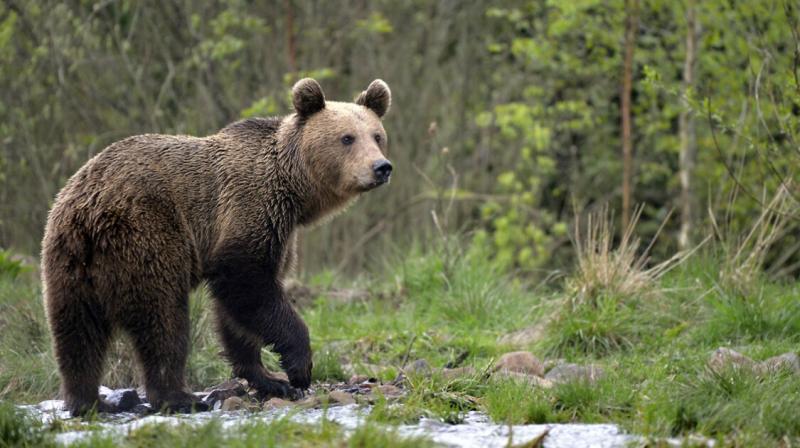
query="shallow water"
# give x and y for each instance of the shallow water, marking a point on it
(476, 431)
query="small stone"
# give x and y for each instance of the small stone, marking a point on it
(232, 404)
(338, 396)
(450, 374)
(724, 357)
(418, 367)
(389, 390)
(532, 380)
(104, 391)
(275, 403)
(357, 379)
(522, 362)
(227, 384)
(312, 401)
(299, 294)
(551, 363)
(124, 399)
(225, 391)
(365, 398)
(567, 373)
(142, 409)
(280, 376)
(786, 362)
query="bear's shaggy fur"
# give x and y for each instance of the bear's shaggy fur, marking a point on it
(150, 217)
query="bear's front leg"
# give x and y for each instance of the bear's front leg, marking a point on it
(243, 351)
(253, 313)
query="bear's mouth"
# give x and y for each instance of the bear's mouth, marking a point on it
(375, 184)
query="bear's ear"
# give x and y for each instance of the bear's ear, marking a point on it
(377, 97)
(307, 97)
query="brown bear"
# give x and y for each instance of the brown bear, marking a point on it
(150, 217)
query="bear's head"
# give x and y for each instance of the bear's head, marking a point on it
(343, 145)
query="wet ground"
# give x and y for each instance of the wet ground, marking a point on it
(476, 431)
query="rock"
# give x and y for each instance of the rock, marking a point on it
(337, 396)
(143, 409)
(550, 363)
(524, 337)
(724, 357)
(302, 296)
(345, 296)
(299, 294)
(224, 391)
(280, 375)
(450, 374)
(533, 380)
(233, 404)
(275, 403)
(419, 367)
(358, 379)
(522, 362)
(124, 399)
(786, 362)
(228, 384)
(399, 379)
(567, 373)
(104, 391)
(389, 391)
(311, 401)
(455, 362)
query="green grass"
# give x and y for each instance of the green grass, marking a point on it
(18, 429)
(653, 345)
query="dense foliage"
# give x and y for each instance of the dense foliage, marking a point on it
(506, 114)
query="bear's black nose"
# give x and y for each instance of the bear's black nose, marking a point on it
(382, 169)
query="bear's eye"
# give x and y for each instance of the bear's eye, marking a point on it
(348, 140)
(378, 138)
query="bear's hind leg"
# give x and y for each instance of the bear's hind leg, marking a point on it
(81, 335)
(161, 339)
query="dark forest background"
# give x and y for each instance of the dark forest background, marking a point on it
(508, 117)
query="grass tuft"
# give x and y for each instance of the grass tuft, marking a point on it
(19, 429)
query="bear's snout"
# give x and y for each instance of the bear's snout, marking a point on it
(383, 170)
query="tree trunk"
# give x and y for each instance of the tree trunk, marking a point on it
(688, 154)
(291, 53)
(631, 24)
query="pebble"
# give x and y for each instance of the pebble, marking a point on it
(274, 403)
(450, 374)
(280, 375)
(567, 373)
(419, 367)
(724, 357)
(550, 363)
(233, 404)
(785, 362)
(124, 399)
(309, 402)
(358, 379)
(338, 396)
(532, 380)
(221, 394)
(522, 362)
(389, 390)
